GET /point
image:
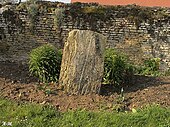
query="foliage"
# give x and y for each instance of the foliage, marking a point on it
(116, 68)
(150, 67)
(167, 73)
(12, 20)
(45, 63)
(88, 12)
(32, 8)
(58, 17)
(98, 11)
(34, 115)
(93, 12)
(133, 13)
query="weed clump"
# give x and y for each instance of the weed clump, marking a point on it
(150, 67)
(116, 68)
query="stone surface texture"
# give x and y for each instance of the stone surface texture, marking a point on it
(83, 62)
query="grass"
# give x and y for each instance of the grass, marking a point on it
(35, 115)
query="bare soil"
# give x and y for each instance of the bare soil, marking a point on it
(17, 84)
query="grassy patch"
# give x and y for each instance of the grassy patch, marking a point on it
(34, 115)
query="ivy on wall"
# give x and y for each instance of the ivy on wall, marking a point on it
(12, 20)
(133, 13)
(58, 17)
(32, 8)
(91, 13)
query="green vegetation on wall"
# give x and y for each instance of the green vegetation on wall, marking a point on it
(132, 13)
(12, 20)
(32, 9)
(93, 12)
(58, 17)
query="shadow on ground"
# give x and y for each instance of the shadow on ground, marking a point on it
(16, 72)
(138, 82)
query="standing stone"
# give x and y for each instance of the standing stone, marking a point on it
(83, 62)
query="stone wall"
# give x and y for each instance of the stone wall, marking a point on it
(139, 40)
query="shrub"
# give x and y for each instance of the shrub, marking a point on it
(45, 63)
(150, 67)
(116, 68)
